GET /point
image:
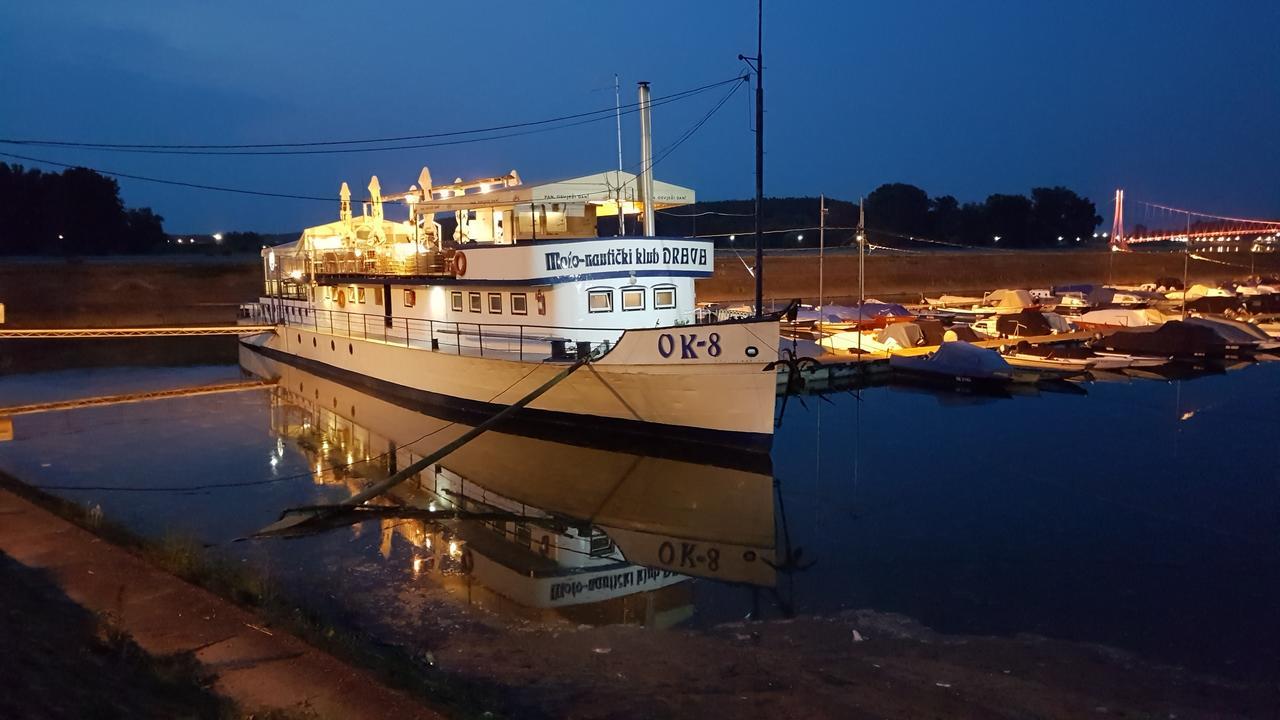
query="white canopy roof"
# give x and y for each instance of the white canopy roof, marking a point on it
(601, 188)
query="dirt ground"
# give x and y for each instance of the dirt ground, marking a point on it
(858, 664)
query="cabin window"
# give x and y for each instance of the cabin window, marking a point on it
(377, 297)
(664, 297)
(328, 293)
(600, 301)
(632, 299)
(519, 304)
(495, 303)
(473, 301)
(409, 298)
(455, 301)
(360, 295)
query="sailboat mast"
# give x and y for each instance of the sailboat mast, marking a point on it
(822, 244)
(617, 116)
(759, 157)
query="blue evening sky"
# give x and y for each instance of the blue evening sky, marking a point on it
(1177, 101)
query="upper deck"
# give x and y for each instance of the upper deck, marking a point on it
(446, 223)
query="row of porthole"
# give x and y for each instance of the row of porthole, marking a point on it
(351, 348)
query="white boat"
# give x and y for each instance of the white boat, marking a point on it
(521, 290)
(1112, 318)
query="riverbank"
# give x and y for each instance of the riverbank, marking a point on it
(165, 290)
(246, 661)
(854, 664)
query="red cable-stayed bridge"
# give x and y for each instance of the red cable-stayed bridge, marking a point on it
(1262, 235)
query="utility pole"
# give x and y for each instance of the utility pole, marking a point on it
(862, 256)
(822, 244)
(1186, 264)
(758, 66)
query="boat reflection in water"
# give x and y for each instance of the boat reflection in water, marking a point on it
(543, 528)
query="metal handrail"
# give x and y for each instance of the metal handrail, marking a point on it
(427, 334)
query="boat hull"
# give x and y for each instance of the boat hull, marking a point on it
(628, 393)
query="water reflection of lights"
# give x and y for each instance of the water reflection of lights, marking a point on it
(1188, 414)
(417, 565)
(454, 550)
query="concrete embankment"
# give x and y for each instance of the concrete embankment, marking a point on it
(258, 667)
(908, 277)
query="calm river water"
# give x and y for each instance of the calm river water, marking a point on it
(1143, 515)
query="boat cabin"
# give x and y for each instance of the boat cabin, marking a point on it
(492, 256)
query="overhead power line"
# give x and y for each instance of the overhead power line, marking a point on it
(163, 181)
(325, 147)
(688, 133)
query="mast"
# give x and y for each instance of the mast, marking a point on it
(862, 256)
(822, 242)
(646, 158)
(617, 116)
(759, 157)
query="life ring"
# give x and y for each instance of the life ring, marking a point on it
(459, 264)
(342, 298)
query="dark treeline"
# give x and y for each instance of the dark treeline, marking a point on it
(897, 213)
(74, 212)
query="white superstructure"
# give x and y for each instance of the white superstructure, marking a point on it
(476, 316)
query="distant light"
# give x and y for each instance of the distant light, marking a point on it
(1095, 236)
(1078, 239)
(799, 238)
(217, 237)
(1105, 235)
(179, 240)
(731, 237)
(59, 237)
(996, 238)
(1059, 238)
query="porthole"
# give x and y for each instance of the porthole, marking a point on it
(333, 345)
(752, 351)
(351, 349)
(299, 338)
(314, 343)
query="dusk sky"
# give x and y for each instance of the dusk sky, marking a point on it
(1177, 102)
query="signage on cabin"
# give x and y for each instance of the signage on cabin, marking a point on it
(625, 257)
(600, 586)
(552, 261)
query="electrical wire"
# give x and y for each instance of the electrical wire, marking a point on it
(178, 183)
(538, 126)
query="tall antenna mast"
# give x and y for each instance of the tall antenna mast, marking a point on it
(617, 114)
(759, 68)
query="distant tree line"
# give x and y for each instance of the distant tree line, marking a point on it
(74, 212)
(898, 215)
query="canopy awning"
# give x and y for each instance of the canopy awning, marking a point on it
(604, 188)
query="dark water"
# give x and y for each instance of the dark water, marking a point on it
(1144, 515)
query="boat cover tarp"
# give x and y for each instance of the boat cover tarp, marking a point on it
(1009, 299)
(935, 332)
(957, 359)
(1233, 331)
(1027, 323)
(870, 310)
(905, 334)
(1172, 339)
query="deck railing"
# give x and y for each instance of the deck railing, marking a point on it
(513, 342)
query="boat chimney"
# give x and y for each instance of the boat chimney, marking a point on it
(646, 159)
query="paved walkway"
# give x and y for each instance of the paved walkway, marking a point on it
(258, 667)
